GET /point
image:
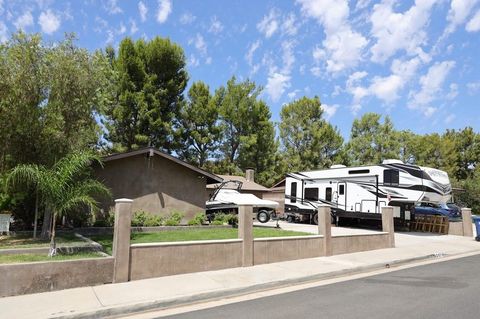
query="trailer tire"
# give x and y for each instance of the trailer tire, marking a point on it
(290, 219)
(315, 219)
(263, 216)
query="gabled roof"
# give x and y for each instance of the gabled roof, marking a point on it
(247, 185)
(211, 178)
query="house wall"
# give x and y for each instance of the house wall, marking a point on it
(277, 195)
(164, 259)
(156, 185)
(27, 278)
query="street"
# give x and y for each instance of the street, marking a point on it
(448, 289)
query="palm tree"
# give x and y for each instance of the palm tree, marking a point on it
(63, 187)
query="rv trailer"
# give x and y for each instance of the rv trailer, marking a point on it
(361, 192)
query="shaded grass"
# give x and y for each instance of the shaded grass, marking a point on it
(22, 258)
(192, 235)
(26, 240)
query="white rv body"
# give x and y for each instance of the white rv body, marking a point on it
(358, 192)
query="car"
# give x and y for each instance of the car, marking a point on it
(441, 209)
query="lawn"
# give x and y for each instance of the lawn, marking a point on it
(193, 234)
(26, 241)
(22, 258)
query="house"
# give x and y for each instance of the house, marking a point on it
(157, 182)
(277, 194)
(248, 184)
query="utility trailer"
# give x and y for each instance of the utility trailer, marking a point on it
(227, 197)
(360, 192)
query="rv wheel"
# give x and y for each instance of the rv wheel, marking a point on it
(315, 219)
(263, 216)
(290, 219)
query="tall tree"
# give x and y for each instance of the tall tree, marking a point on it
(309, 141)
(199, 123)
(151, 80)
(248, 139)
(371, 141)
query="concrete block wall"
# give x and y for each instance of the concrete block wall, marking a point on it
(271, 250)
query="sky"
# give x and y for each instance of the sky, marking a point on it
(415, 61)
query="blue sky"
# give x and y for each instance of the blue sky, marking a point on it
(417, 61)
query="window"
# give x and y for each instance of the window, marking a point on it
(293, 192)
(390, 177)
(359, 171)
(341, 190)
(328, 194)
(311, 194)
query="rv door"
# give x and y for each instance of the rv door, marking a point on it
(341, 195)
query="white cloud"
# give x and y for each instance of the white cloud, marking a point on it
(277, 83)
(187, 18)
(399, 31)
(430, 87)
(316, 71)
(474, 24)
(449, 119)
(200, 44)
(164, 10)
(459, 12)
(355, 108)
(208, 60)
(289, 25)
(215, 26)
(122, 29)
(1, 7)
(143, 10)
(251, 50)
(288, 56)
(133, 26)
(329, 110)
(112, 7)
(24, 21)
(3, 32)
(49, 22)
(473, 87)
(342, 47)
(193, 61)
(293, 94)
(453, 91)
(269, 24)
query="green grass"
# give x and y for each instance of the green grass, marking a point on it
(192, 235)
(22, 258)
(26, 241)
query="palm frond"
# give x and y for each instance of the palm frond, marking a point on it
(73, 165)
(92, 187)
(75, 202)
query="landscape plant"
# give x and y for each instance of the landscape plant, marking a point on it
(198, 219)
(174, 219)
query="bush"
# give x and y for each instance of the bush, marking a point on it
(217, 222)
(107, 220)
(219, 217)
(139, 218)
(232, 219)
(198, 219)
(174, 219)
(153, 220)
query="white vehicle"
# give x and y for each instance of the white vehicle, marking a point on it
(228, 199)
(361, 192)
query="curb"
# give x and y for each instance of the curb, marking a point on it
(226, 293)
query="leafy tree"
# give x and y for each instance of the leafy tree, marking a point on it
(151, 80)
(371, 141)
(199, 123)
(63, 187)
(309, 141)
(467, 148)
(248, 134)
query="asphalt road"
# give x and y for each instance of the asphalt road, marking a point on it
(448, 289)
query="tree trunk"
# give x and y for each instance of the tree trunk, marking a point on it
(36, 216)
(46, 224)
(53, 246)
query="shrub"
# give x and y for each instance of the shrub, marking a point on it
(139, 218)
(217, 222)
(174, 219)
(219, 217)
(153, 220)
(198, 219)
(107, 220)
(232, 219)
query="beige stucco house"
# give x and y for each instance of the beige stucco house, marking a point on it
(157, 182)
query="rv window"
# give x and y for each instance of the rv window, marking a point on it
(391, 177)
(293, 192)
(311, 194)
(341, 190)
(328, 194)
(359, 171)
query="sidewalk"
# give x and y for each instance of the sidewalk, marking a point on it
(111, 299)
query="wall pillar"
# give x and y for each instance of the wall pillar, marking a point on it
(325, 228)
(245, 232)
(121, 239)
(388, 225)
(467, 222)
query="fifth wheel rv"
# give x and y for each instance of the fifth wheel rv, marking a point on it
(361, 192)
